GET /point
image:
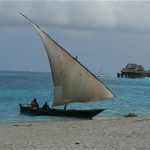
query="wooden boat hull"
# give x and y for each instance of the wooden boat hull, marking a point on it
(60, 112)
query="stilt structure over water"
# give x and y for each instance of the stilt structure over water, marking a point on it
(133, 71)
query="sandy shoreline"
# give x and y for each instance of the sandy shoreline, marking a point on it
(122, 134)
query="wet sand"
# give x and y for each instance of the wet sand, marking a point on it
(109, 134)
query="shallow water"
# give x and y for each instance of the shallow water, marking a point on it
(132, 95)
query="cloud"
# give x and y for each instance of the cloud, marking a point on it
(132, 16)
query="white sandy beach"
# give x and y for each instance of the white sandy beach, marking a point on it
(111, 134)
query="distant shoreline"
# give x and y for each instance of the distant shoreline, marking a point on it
(25, 71)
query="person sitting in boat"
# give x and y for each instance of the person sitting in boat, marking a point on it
(34, 104)
(45, 106)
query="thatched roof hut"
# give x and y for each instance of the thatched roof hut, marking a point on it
(133, 71)
(133, 68)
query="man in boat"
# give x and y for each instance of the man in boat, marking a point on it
(34, 104)
(65, 106)
(45, 106)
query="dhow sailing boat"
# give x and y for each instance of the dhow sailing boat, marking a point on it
(72, 82)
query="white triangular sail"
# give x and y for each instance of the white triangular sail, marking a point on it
(72, 81)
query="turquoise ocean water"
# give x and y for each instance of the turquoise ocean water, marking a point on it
(132, 95)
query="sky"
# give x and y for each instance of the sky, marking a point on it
(105, 35)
